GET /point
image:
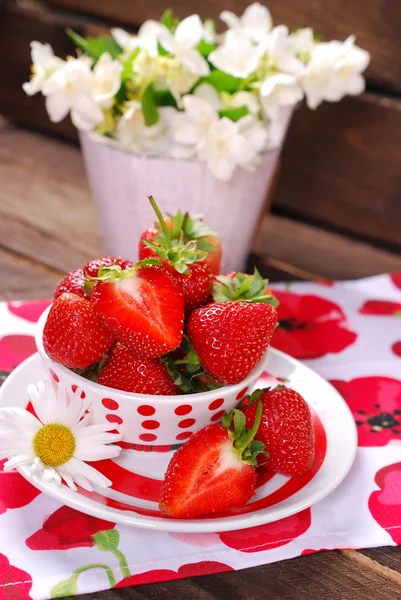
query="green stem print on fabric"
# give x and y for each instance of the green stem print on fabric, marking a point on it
(69, 587)
(105, 541)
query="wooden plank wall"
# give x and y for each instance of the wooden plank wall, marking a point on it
(341, 164)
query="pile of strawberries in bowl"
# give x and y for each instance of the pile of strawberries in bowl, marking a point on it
(166, 349)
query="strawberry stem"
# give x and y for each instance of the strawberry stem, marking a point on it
(253, 431)
(161, 221)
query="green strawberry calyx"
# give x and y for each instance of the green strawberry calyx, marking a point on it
(187, 372)
(179, 252)
(242, 287)
(113, 273)
(192, 228)
(244, 443)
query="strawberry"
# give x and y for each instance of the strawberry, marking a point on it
(213, 471)
(130, 373)
(73, 282)
(230, 338)
(191, 230)
(286, 429)
(241, 287)
(73, 334)
(184, 264)
(195, 285)
(92, 267)
(142, 308)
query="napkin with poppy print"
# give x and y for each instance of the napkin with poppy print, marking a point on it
(348, 332)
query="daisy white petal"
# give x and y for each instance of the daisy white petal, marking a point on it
(85, 475)
(56, 447)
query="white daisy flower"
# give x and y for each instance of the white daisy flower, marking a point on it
(57, 442)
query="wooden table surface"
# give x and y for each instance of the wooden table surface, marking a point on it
(48, 226)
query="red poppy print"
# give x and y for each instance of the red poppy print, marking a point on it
(14, 349)
(381, 307)
(15, 491)
(375, 403)
(396, 348)
(15, 584)
(311, 551)
(384, 504)
(67, 528)
(267, 537)
(207, 567)
(396, 279)
(30, 311)
(310, 326)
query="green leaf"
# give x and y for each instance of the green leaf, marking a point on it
(95, 46)
(102, 44)
(169, 20)
(239, 422)
(128, 71)
(205, 48)
(68, 587)
(149, 107)
(235, 114)
(223, 82)
(164, 98)
(107, 541)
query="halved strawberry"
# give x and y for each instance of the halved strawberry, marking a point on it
(191, 229)
(230, 338)
(92, 267)
(286, 429)
(241, 287)
(213, 471)
(142, 308)
(130, 373)
(73, 334)
(73, 283)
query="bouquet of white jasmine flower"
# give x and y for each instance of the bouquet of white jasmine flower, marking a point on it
(178, 89)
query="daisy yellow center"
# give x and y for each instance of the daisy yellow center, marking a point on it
(54, 444)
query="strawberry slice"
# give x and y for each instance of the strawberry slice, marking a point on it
(230, 338)
(286, 429)
(214, 470)
(142, 308)
(73, 334)
(130, 373)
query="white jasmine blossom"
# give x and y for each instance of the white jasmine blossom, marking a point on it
(334, 71)
(209, 31)
(106, 80)
(44, 63)
(239, 99)
(254, 131)
(134, 135)
(236, 56)
(58, 440)
(279, 90)
(223, 148)
(182, 44)
(147, 38)
(276, 54)
(254, 23)
(69, 89)
(302, 43)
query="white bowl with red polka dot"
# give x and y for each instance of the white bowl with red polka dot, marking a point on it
(147, 420)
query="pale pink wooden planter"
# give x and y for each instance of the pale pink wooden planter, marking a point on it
(121, 182)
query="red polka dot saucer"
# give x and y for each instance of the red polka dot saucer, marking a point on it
(138, 472)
